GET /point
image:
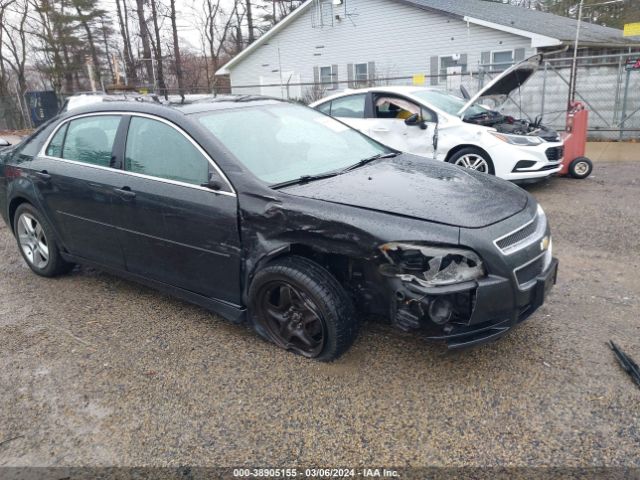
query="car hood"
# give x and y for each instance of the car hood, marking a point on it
(421, 188)
(511, 79)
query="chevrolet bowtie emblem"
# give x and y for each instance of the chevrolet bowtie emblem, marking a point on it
(544, 244)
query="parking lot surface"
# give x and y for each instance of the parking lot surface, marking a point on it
(95, 370)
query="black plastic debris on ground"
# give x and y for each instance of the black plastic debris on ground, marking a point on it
(626, 362)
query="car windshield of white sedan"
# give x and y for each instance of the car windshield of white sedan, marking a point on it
(448, 103)
(280, 143)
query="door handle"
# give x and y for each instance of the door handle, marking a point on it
(125, 193)
(43, 175)
(380, 130)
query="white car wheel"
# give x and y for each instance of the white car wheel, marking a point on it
(474, 162)
(473, 159)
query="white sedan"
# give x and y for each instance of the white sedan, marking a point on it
(435, 124)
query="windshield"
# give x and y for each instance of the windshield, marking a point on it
(448, 103)
(284, 142)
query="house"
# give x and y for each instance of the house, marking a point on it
(328, 45)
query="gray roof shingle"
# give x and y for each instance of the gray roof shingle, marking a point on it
(541, 23)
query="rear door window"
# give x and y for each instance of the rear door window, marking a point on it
(54, 149)
(90, 139)
(351, 106)
(159, 150)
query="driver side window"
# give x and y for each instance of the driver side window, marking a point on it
(159, 150)
(391, 107)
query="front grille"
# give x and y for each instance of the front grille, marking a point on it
(529, 272)
(513, 239)
(554, 153)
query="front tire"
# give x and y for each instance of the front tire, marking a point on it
(580, 168)
(473, 159)
(37, 243)
(301, 307)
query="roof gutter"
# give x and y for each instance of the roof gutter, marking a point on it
(537, 40)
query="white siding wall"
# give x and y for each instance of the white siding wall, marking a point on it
(400, 39)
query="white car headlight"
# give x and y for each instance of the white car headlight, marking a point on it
(430, 266)
(520, 140)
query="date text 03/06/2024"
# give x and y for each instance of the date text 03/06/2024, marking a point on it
(315, 473)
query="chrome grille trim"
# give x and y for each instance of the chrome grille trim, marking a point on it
(522, 236)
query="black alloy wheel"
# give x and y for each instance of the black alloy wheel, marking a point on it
(300, 306)
(293, 318)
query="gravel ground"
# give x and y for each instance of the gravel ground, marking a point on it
(100, 371)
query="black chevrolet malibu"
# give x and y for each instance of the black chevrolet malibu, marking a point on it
(276, 215)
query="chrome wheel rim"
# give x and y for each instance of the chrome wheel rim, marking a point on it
(581, 168)
(473, 162)
(33, 241)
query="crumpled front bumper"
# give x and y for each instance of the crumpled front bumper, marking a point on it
(495, 307)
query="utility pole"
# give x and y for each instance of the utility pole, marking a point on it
(90, 73)
(574, 65)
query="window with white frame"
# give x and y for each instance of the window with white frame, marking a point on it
(326, 77)
(361, 71)
(502, 59)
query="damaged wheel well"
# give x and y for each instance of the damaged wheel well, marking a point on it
(338, 265)
(355, 275)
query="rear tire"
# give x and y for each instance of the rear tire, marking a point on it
(37, 243)
(301, 307)
(580, 168)
(473, 159)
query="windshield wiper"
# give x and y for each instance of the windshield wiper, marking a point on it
(304, 179)
(364, 161)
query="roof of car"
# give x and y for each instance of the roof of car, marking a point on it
(187, 108)
(400, 89)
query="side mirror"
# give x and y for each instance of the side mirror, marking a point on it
(415, 121)
(4, 143)
(214, 182)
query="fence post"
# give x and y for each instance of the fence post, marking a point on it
(616, 104)
(544, 90)
(623, 118)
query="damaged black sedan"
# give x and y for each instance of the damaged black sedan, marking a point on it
(276, 215)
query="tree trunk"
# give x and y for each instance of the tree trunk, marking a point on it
(92, 46)
(176, 49)
(158, 43)
(251, 37)
(146, 45)
(126, 40)
(106, 52)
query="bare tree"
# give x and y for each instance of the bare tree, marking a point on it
(251, 34)
(176, 48)
(145, 38)
(215, 28)
(126, 40)
(157, 47)
(87, 13)
(14, 43)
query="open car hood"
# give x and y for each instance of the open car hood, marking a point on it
(511, 79)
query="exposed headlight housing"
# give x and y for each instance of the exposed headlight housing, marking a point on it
(520, 140)
(430, 266)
